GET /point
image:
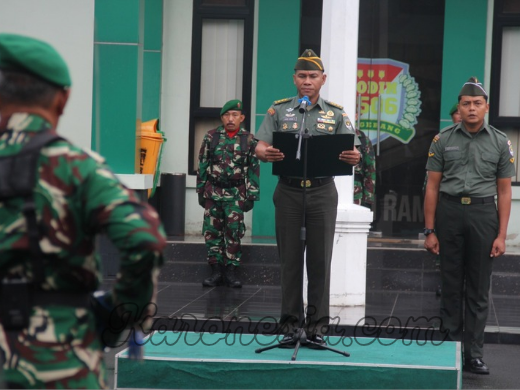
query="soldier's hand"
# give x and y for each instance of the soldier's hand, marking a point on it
(431, 244)
(248, 205)
(499, 247)
(202, 200)
(273, 155)
(351, 157)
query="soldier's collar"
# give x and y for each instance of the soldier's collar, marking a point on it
(19, 121)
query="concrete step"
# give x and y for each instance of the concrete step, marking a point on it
(409, 268)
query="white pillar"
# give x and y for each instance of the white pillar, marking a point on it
(339, 44)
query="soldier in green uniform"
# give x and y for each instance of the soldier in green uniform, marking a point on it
(455, 114)
(228, 184)
(469, 163)
(365, 172)
(322, 118)
(75, 196)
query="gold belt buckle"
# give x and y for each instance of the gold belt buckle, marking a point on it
(465, 200)
(307, 183)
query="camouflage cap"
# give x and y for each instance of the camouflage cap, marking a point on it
(473, 88)
(26, 54)
(454, 108)
(309, 61)
(231, 105)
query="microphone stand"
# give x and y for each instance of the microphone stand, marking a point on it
(300, 336)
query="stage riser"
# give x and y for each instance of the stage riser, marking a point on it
(180, 360)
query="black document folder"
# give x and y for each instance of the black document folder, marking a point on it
(322, 155)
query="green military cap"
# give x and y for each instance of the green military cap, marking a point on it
(473, 88)
(454, 108)
(309, 61)
(231, 105)
(22, 53)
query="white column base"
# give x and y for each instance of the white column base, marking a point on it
(349, 258)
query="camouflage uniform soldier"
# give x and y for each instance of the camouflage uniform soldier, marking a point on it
(365, 173)
(75, 197)
(228, 182)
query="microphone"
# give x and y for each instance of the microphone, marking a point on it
(304, 102)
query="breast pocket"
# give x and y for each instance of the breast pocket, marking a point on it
(324, 128)
(289, 125)
(452, 159)
(489, 164)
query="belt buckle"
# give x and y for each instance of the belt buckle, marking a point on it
(465, 200)
(306, 184)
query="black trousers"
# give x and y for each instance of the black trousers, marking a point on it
(320, 223)
(466, 234)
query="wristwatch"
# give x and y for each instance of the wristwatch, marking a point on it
(427, 231)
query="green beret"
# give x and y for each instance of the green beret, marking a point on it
(21, 53)
(454, 108)
(473, 88)
(309, 61)
(231, 105)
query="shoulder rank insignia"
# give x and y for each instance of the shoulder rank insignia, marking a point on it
(436, 138)
(334, 104)
(282, 101)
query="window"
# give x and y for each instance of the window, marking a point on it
(222, 55)
(505, 84)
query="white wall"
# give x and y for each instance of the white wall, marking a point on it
(68, 25)
(175, 101)
(175, 104)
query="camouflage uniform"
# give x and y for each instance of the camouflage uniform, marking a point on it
(365, 173)
(228, 177)
(76, 197)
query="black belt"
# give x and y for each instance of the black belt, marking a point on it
(226, 184)
(467, 200)
(309, 183)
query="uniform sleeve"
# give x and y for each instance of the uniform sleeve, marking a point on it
(202, 172)
(268, 126)
(506, 164)
(345, 126)
(134, 228)
(253, 174)
(435, 161)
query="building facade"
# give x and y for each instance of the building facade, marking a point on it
(179, 61)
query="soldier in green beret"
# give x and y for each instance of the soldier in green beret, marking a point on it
(228, 184)
(48, 264)
(455, 114)
(322, 118)
(469, 164)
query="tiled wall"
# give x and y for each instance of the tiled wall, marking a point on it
(127, 77)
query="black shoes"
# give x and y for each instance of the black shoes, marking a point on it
(288, 341)
(231, 278)
(215, 279)
(477, 366)
(316, 341)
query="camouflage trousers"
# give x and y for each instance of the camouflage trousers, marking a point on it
(59, 349)
(223, 228)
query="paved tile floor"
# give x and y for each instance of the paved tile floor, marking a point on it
(258, 303)
(384, 308)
